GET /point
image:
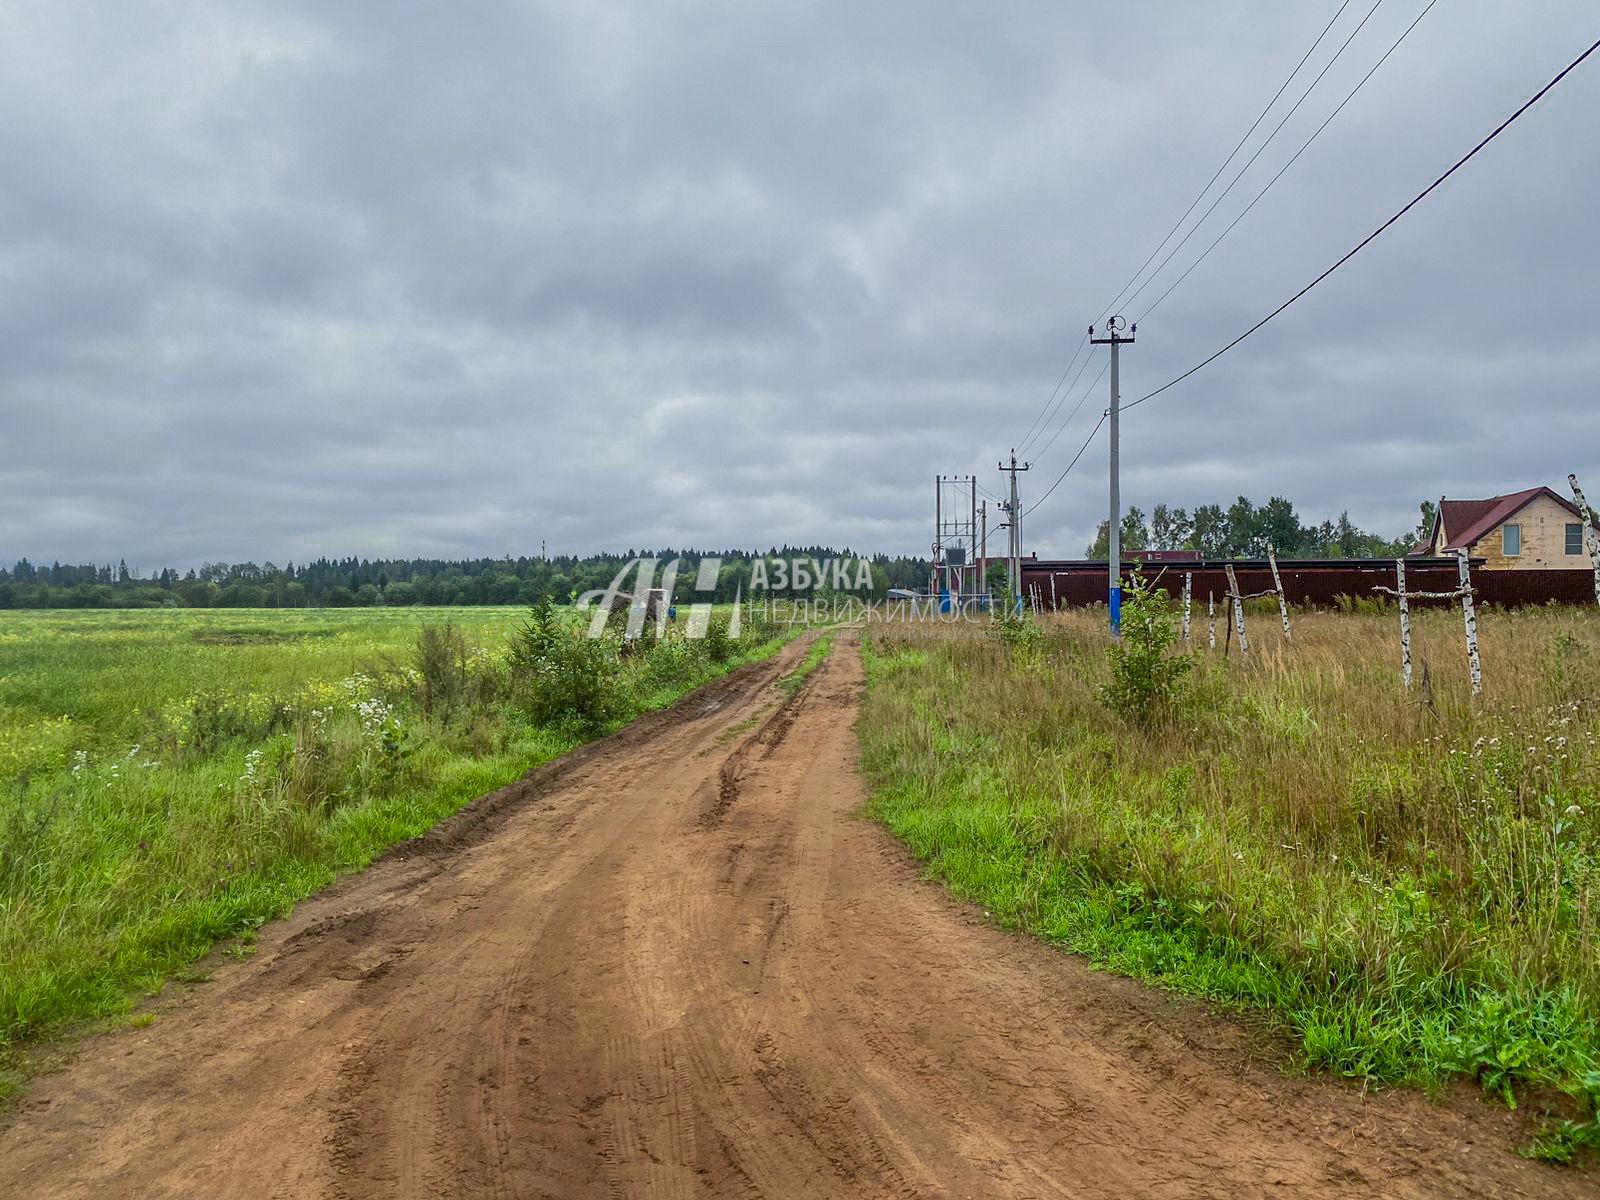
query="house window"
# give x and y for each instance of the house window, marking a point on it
(1511, 540)
(1574, 539)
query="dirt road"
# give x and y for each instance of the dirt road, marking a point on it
(677, 965)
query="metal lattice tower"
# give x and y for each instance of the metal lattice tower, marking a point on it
(955, 535)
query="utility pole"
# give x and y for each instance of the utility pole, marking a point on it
(1113, 338)
(983, 549)
(972, 539)
(1014, 509)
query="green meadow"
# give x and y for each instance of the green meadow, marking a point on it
(176, 777)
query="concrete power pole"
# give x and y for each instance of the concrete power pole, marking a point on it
(1113, 338)
(1014, 508)
(983, 549)
(972, 539)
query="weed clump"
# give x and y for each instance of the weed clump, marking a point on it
(1012, 625)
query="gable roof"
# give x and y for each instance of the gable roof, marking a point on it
(1465, 521)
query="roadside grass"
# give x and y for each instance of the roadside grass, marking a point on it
(173, 779)
(1409, 893)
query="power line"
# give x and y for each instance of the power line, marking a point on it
(1222, 195)
(1059, 382)
(1070, 465)
(1261, 116)
(1063, 400)
(1087, 392)
(1231, 156)
(1366, 241)
(1281, 170)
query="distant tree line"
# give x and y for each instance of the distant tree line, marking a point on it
(1245, 530)
(360, 582)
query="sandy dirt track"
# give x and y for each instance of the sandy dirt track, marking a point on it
(677, 964)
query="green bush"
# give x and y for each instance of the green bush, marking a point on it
(540, 635)
(718, 644)
(440, 660)
(563, 676)
(1145, 684)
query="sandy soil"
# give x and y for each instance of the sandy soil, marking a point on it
(677, 963)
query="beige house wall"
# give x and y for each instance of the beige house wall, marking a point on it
(1544, 537)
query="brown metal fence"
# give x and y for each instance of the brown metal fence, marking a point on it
(1318, 583)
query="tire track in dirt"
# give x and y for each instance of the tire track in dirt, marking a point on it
(678, 964)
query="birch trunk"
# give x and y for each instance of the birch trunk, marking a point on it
(1405, 620)
(1277, 583)
(1238, 608)
(1469, 616)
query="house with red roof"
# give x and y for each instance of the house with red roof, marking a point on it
(1534, 529)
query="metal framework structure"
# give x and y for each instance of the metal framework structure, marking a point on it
(955, 535)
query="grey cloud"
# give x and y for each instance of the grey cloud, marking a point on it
(280, 280)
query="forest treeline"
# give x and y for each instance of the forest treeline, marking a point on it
(1241, 529)
(1245, 530)
(361, 582)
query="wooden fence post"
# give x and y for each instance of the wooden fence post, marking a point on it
(1211, 619)
(1591, 539)
(1238, 607)
(1405, 620)
(1277, 583)
(1188, 585)
(1469, 616)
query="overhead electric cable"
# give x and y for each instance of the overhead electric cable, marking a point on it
(1070, 465)
(1059, 382)
(1022, 449)
(1371, 237)
(1291, 162)
(1087, 392)
(988, 495)
(1046, 412)
(1222, 195)
(1231, 156)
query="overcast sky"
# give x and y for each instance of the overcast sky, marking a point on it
(282, 280)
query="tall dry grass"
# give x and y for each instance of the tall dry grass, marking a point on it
(1406, 880)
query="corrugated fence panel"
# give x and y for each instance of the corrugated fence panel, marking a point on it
(1321, 584)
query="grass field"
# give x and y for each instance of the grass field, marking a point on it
(176, 777)
(1409, 892)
